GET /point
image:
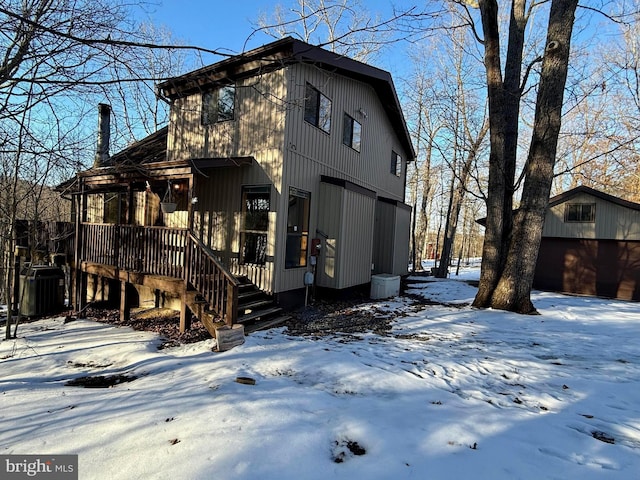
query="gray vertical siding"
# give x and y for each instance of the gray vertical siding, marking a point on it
(391, 238)
(370, 167)
(269, 126)
(329, 223)
(310, 153)
(347, 219)
(612, 221)
(256, 131)
(95, 208)
(384, 237)
(401, 241)
(217, 218)
(257, 126)
(357, 238)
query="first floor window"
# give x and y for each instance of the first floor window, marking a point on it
(396, 164)
(297, 228)
(317, 108)
(351, 131)
(256, 203)
(218, 105)
(580, 212)
(114, 208)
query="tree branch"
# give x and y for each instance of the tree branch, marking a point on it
(614, 18)
(596, 157)
(108, 40)
(525, 78)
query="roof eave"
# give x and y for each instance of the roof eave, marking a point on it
(238, 66)
(565, 196)
(288, 50)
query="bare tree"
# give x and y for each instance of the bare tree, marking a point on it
(60, 58)
(511, 246)
(622, 89)
(598, 142)
(467, 128)
(342, 26)
(138, 108)
(424, 125)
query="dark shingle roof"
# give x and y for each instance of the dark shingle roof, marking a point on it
(152, 148)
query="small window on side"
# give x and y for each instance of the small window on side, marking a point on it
(317, 108)
(580, 212)
(396, 163)
(351, 132)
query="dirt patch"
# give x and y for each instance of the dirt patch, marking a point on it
(426, 302)
(347, 316)
(345, 449)
(354, 315)
(100, 381)
(88, 364)
(351, 315)
(603, 437)
(163, 321)
(323, 317)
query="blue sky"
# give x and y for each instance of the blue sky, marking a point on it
(212, 23)
(225, 25)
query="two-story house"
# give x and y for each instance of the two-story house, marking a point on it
(285, 165)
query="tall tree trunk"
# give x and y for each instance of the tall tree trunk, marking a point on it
(514, 288)
(504, 115)
(450, 225)
(425, 211)
(512, 95)
(492, 250)
(423, 219)
(450, 228)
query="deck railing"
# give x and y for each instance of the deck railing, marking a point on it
(171, 252)
(148, 250)
(214, 282)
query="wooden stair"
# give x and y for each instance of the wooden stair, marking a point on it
(256, 309)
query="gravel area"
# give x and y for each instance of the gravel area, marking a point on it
(347, 316)
(162, 321)
(355, 314)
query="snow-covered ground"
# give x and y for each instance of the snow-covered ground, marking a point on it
(452, 392)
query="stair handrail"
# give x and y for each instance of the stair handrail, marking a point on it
(226, 307)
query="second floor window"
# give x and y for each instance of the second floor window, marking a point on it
(396, 164)
(317, 108)
(351, 132)
(218, 105)
(580, 212)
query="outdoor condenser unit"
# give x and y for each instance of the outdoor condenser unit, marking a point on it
(41, 290)
(385, 285)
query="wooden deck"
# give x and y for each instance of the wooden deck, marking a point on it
(169, 259)
(148, 250)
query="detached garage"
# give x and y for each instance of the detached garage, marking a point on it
(590, 245)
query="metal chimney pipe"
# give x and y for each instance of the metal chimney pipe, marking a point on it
(104, 132)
